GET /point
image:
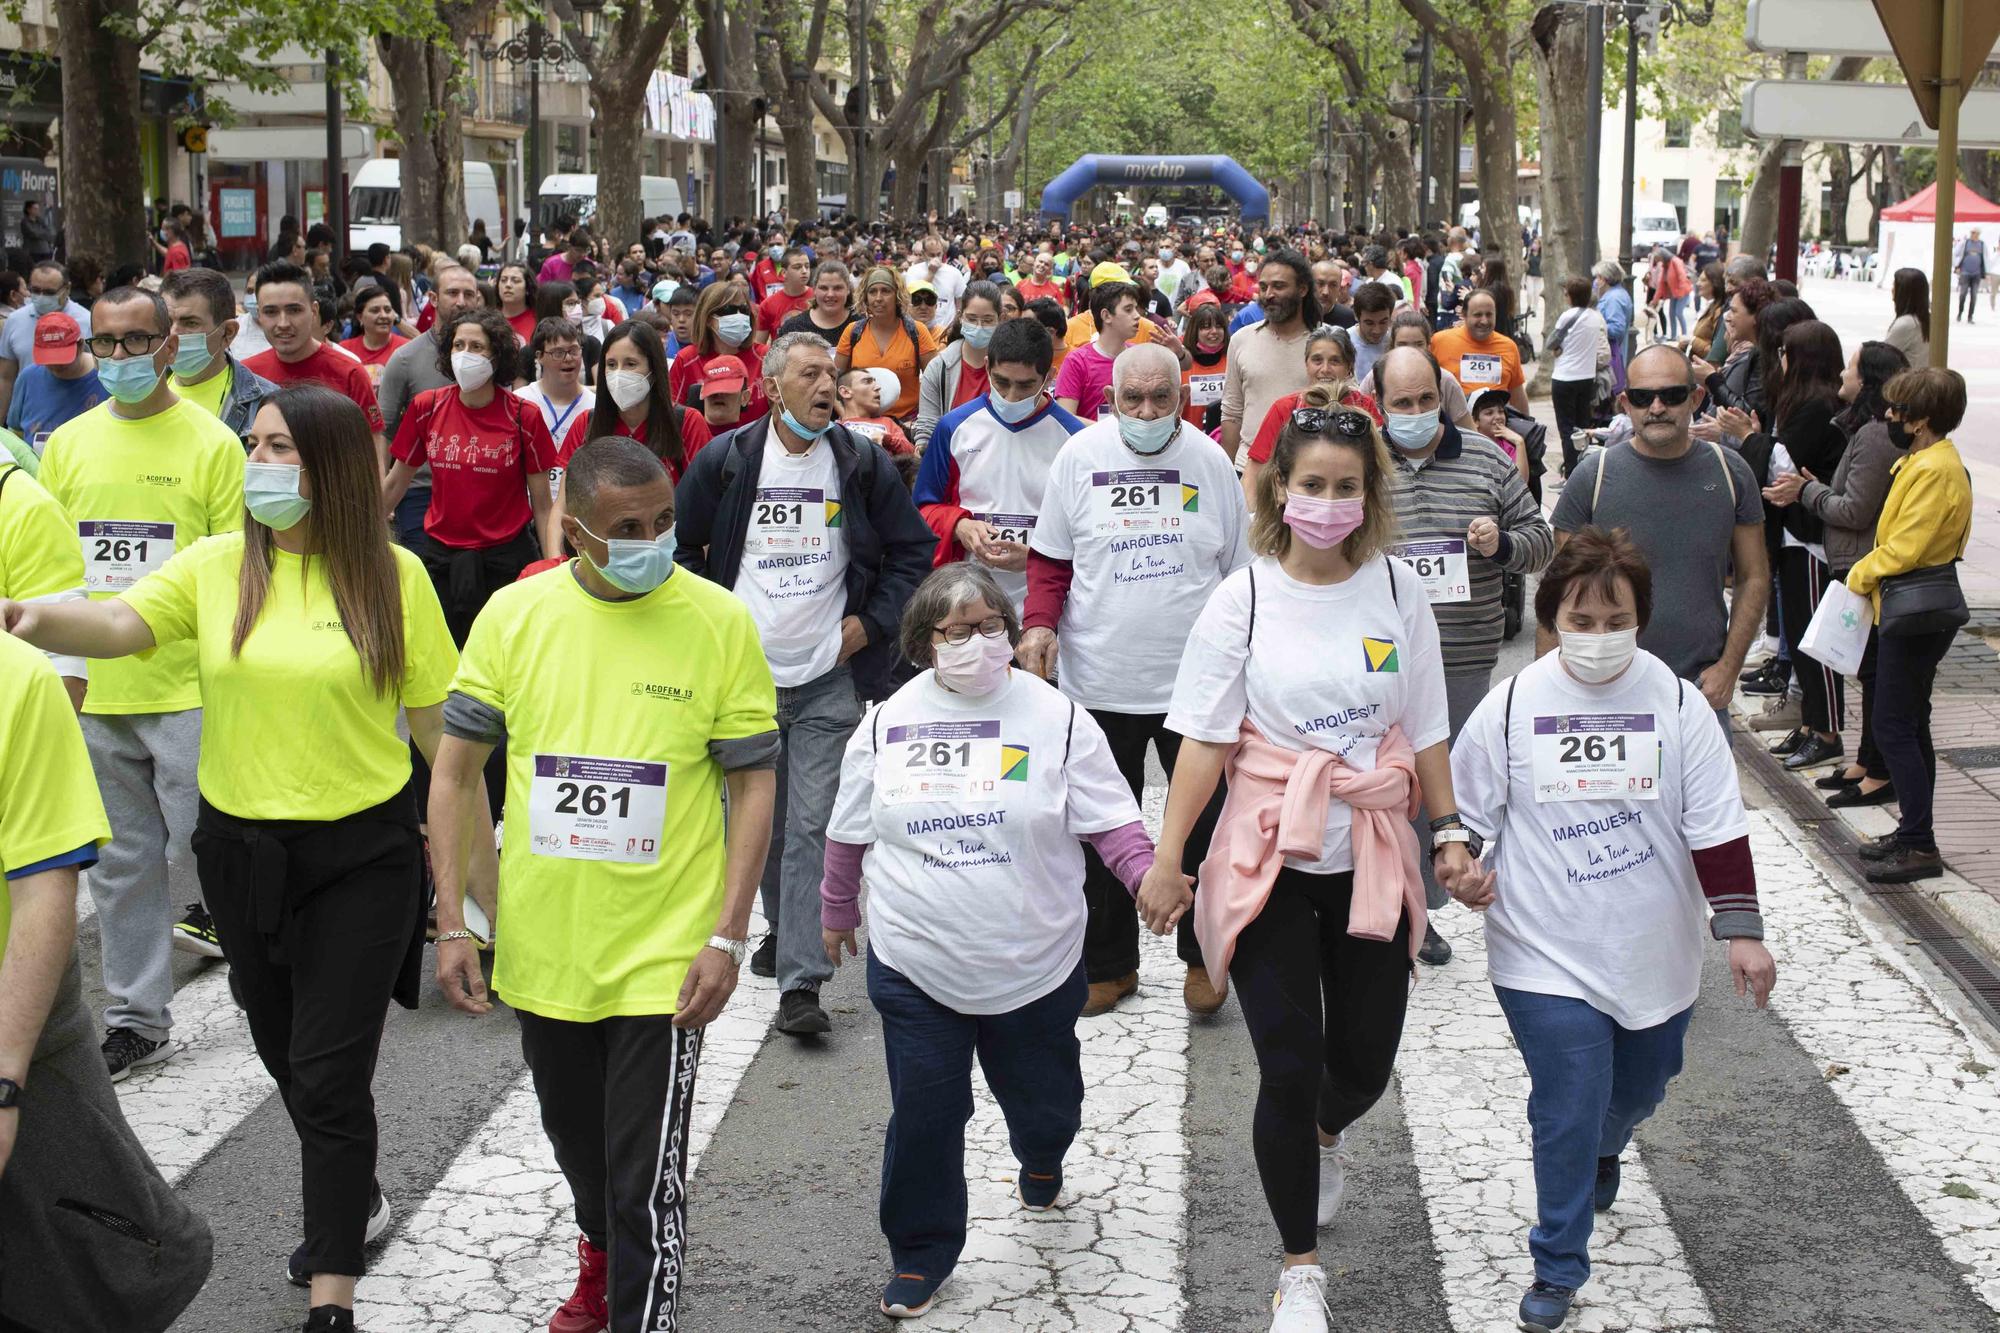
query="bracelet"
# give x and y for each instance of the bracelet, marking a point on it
(456, 935)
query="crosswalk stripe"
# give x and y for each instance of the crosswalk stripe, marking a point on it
(1465, 1102)
(182, 1108)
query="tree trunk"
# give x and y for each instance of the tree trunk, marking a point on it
(103, 187)
(425, 114)
(1561, 55)
(1760, 210)
(620, 109)
(795, 122)
(1979, 168)
(1840, 182)
(739, 113)
(1391, 142)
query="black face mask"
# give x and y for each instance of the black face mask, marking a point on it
(1899, 434)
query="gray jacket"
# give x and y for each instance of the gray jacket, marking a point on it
(412, 369)
(1852, 502)
(936, 387)
(247, 392)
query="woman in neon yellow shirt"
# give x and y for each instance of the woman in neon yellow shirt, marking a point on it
(313, 633)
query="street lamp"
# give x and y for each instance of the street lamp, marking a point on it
(532, 47)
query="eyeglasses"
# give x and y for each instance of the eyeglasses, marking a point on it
(138, 344)
(1339, 421)
(992, 627)
(1672, 396)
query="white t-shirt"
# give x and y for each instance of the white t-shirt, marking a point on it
(1328, 667)
(1583, 334)
(794, 571)
(559, 419)
(972, 808)
(1596, 896)
(1150, 537)
(949, 281)
(1003, 472)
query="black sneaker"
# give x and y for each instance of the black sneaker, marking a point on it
(764, 958)
(195, 933)
(329, 1319)
(125, 1051)
(799, 1014)
(379, 1214)
(1435, 950)
(1905, 865)
(1771, 680)
(1879, 849)
(1812, 752)
(1789, 744)
(1607, 1183)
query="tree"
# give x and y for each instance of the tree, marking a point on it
(786, 70)
(619, 60)
(1558, 36)
(427, 78)
(1479, 33)
(1386, 125)
(1760, 210)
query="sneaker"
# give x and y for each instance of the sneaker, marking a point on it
(379, 1214)
(1299, 1304)
(764, 958)
(1435, 950)
(1905, 865)
(1879, 849)
(1105, 995)
(1037, 1193)
(1814, 751)
(586, 1310)
(1545, 1307)
(1789, 744)
(1781, 712)
(195, 933)
(799, 1014)
(910, 1294)
(1199, 993)
(1334, 1159)
(1607, 1183)
(125, 1051)
(329, 1319)
(1773, 679)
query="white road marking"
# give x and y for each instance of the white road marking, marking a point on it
(182, 1108)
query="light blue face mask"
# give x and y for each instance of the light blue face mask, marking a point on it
(1148, 437)
(977, 335)
(271, 494)
(192, 358)
(732, 329)
(45, 304)
(1411, 431)
(131, 379)
(634, 566)
(1014, 411)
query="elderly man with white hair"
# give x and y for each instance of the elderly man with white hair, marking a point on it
(1142, 518)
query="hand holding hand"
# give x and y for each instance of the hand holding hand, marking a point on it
(1463, 879)
(1164, 896)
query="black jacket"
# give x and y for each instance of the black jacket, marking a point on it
(889, 546)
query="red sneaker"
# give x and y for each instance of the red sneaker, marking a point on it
(585, 1311)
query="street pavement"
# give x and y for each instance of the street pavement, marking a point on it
(1831, 1163)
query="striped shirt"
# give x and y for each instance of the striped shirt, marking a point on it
(1437, 499)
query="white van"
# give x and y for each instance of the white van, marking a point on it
(1655, 223)
(374, 203)
(1156, 215)
(574, 195)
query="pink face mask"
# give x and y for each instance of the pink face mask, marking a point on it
(976, 666)
(1322, 523)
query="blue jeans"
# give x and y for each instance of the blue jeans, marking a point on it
(814, 721)
(1676, 316)
(410, 511)
(1034, 1065)
(1592, 1083)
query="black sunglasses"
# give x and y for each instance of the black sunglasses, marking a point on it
(1341, 421)
(732, 310)
(1673, 395)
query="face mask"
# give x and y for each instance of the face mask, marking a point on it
(271, 494)
(976, 666)
(1596, 658)
(731, 330)
(471, 370)
(1166, 256)
(573, 311)
(799, 428)
(192, 358)
(130, 380)
(46, 305)
(1322, 523)
(596, 306)
(1899, 434)
(627, 388)
(1412, 431)
(1236, 255)
(634, 566)
(1013, 411)
(976, 335)
(1148, 437)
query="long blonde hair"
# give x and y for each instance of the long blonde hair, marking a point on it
(1271, 535)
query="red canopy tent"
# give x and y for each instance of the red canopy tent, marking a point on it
(1922, 207)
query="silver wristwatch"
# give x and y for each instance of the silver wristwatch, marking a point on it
(736, 949)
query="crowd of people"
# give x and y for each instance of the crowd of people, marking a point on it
(456, 598)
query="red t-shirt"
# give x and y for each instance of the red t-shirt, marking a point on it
(971, 384)
(1035, 291)
(763, 277)
(1281, 411)
(686, 370)
(177, 258)
(328, 366)
(372, 359)
(481, 459)
(523, 325)
(691, 424)
(776, 308)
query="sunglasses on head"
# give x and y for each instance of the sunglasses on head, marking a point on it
(1672, 396)
(1339, 421)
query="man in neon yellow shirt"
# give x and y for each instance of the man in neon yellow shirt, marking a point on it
(630, 696)
(39, 558)
(142, 476)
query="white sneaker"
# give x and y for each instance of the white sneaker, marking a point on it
(1299, 1305)
(1333, 1163)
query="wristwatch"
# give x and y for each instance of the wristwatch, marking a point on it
(10, 1094)
(1449, 830)
(736, 949)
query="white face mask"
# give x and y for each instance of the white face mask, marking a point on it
(1597, 658)
(471, 370)
(976, 666)
(627, 387)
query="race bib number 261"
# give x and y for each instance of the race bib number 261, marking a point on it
(1140, 500)
(584, 808)
(117, 555)
(1597, 757)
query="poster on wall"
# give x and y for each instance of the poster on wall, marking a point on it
(23, 179)
(237, 213)
(315, 206)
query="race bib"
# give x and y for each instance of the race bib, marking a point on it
(1441, 566)
(1016, 528)
(946, 761)
(39, 441)
(117, 555)
(1481, 370)
(589, 809)
(793, 518)
(1140, 500)
(867, 430)
(1596, 757)
(1204, 390)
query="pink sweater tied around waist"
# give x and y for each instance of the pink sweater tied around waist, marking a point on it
(1276, 808)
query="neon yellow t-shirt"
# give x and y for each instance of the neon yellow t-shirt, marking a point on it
(611, 877)
(139, 491)
(292, 728)
(38, 551)
(209, 393)
(48, 796)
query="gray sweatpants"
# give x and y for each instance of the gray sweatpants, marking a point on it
(145, 765)
(814, 721)
(1462, 693)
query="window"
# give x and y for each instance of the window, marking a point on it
(833, 180)
(1676, 193)
(1677, 132)
(1729, 129)
(1728, 206)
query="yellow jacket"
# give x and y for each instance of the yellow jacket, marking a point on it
(1925, 520)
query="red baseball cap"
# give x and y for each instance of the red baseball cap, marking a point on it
(724, 374)
(56, 339)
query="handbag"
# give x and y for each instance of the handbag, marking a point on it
(1927, 600)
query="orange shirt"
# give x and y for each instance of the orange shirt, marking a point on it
(1083, 327)
(865, 352)
(1493, 364)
